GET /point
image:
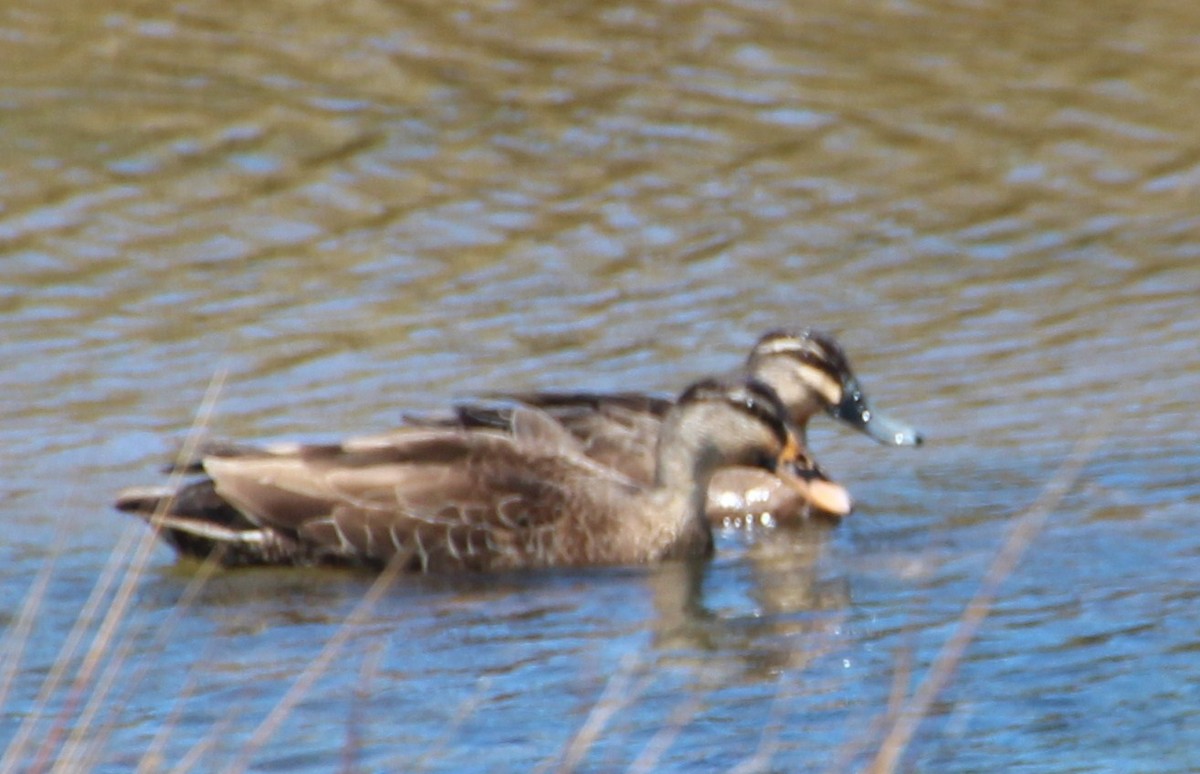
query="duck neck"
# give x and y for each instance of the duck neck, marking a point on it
(686, 460)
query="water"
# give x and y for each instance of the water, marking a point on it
(351, 211)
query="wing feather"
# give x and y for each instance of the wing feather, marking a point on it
(431, 499)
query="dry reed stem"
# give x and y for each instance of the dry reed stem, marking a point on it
(466, 709)
(317, 667)
(768, 743)
(98, 736)
(905, 653)
(152, 758)
(82, 740)
(616, 694)
(70, 757)
(193, 756)
(47, 752)
(1028, 526)
(17, 636)
(662, 740)
(368, 672)
(62, 663)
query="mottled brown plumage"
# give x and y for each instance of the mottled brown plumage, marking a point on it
(457, 498)
(806, 368)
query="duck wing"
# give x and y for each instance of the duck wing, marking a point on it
(618, 430)
(432, 500)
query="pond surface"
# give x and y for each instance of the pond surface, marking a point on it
(335, 213)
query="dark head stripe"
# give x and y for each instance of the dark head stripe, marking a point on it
(760, 401)
(750, 396)
(808, 347)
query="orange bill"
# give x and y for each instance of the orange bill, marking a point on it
(803, 475)
(830, 497)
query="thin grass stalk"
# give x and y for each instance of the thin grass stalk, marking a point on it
(1027, 527)
(152, 759)
(17, 636)
(113, 709)
(367, 673)
(905, 655)
(465, 710)
(106, 636)
(684, 712)
(62, 663)
(768, 743)
(196, 754)
(317, 667)
(616, 694)
(133, 681)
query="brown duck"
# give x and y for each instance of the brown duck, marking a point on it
(478, 499)
(806, 368)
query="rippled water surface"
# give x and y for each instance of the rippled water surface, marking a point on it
(339, 212)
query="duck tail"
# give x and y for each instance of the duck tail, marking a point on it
(198, 523)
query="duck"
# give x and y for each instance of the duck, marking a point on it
(807, 368)
(480, 499)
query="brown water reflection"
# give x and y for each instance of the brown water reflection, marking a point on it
(355, 210)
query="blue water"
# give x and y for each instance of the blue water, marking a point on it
(383, 207)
